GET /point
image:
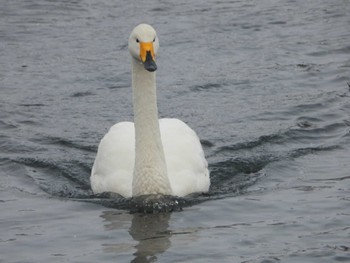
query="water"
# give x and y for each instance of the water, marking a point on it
(264, 84)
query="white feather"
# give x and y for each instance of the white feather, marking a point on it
(114, 165)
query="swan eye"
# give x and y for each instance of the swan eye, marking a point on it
(137, 40)
(154, 40)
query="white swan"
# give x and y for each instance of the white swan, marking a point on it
(167, 157)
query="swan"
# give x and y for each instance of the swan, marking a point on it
(149, 156)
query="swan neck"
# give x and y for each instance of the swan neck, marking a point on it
(150, 173)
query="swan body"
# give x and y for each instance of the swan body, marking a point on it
(149, 156)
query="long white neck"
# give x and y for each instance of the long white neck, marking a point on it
(150, 172)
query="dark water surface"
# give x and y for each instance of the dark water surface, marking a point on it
(264, 84)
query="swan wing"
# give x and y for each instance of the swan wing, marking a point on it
(186, 164)
(113, 167)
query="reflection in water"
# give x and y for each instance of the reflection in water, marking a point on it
(149, 230)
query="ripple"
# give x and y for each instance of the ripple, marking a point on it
(61, 179)
(207, 86)
(82, 94)
(343, 50)
(63, 142)
(277, 137)
(32, 105)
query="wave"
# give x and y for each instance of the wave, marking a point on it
(234, 167)
(229, 177)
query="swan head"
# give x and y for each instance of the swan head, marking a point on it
(143, 46)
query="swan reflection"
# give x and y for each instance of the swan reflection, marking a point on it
(150, 231)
